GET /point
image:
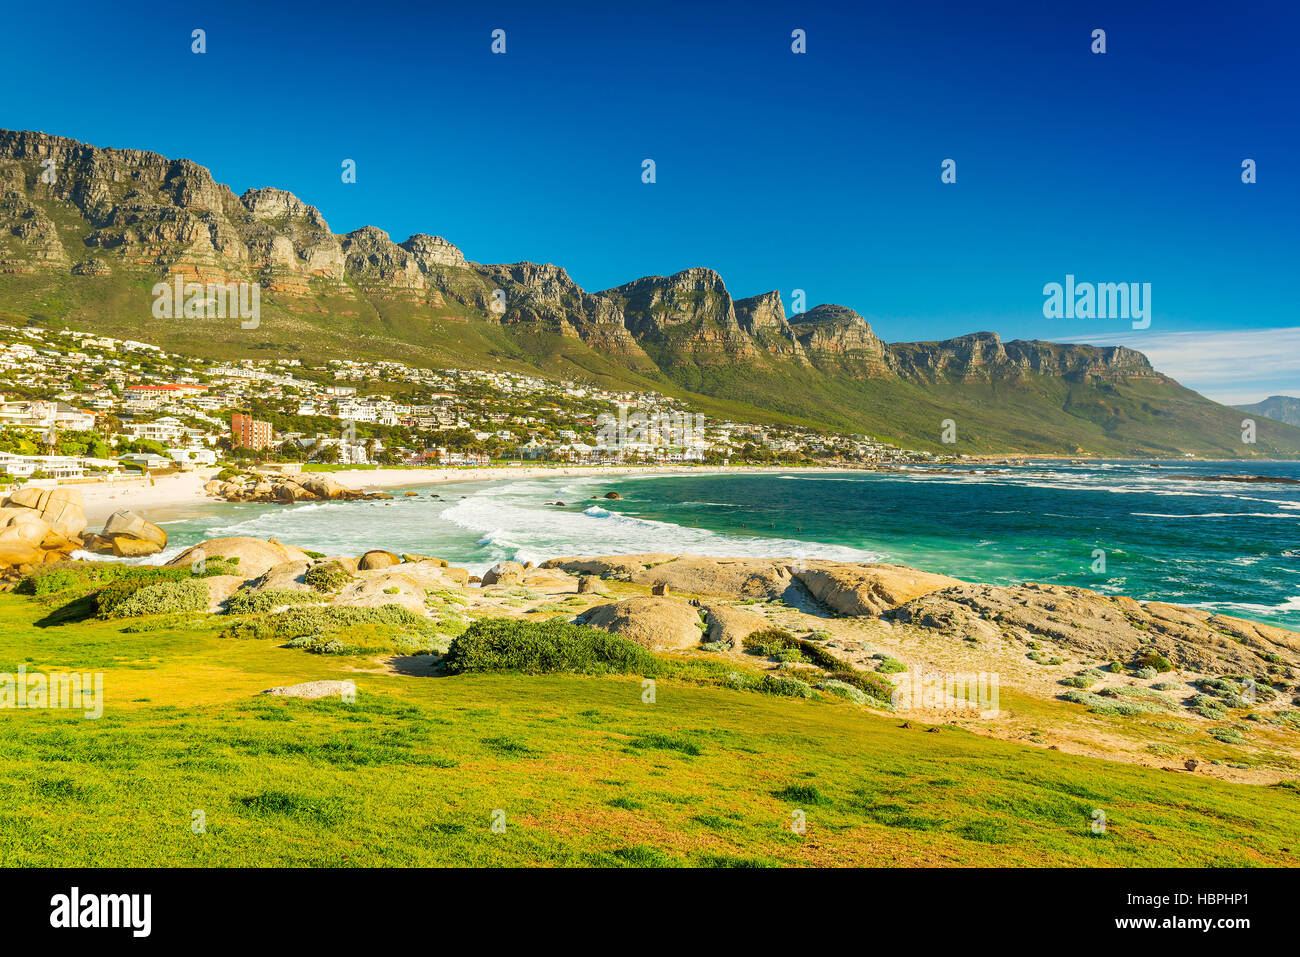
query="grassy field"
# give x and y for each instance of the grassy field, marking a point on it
(585, 773)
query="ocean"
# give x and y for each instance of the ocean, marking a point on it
(1117, 527)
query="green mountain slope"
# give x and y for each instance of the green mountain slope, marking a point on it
(86, 233)
(1280, 408)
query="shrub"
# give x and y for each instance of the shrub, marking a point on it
(58, 579)
(869, 683)
(162, 598)
(842, 689)
(1150, 658)
(327, 577)
(261, 602)
(1099, 705)
(786, 687)
(1208, 707)
(544, 647)
(333, 630)
(888, 666)
(1145, 673)
(121, 586)
(786, 654)
(768, 641)
(1227, 735)
(1140, 694)
(1078, 681)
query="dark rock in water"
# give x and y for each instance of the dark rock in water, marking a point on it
(1253, 479)
(612, 495)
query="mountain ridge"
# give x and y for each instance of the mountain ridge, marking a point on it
(114, 221)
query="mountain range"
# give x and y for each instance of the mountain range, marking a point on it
(86, 233)
(1280, 408)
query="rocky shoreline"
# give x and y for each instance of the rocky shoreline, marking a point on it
(282, 489)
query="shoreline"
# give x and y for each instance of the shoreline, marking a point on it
(379, 480)
(165, 498)
(168, 497)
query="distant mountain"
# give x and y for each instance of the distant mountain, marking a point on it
(85, 250)
(1279, 408)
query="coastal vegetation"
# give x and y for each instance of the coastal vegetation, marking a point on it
(585, 772)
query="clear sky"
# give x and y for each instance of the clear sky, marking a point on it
(816, 171)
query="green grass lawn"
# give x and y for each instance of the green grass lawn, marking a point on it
(585, 773)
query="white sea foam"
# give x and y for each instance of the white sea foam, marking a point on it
(537, 533)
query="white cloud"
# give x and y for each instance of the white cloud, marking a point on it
(1233, 366)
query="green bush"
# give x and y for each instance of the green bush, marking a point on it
(162, 598)
(1145, 695)
(786, 687)
(842, 689)
(261, 602)
(889, 666)
(1111, 706)
(783, 646)
(1150, 658)
(768, 641)
(502, 644)
(327, 577)
(1078, 681)
(318, 619)
(869, 682)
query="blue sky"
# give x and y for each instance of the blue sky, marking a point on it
(818, 171)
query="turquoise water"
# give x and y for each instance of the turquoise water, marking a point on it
(1228, 546)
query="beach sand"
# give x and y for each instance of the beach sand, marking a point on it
(161, 499)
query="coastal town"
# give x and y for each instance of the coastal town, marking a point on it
(75, 406)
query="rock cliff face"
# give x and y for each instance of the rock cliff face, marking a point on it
(95, 229)
(983, 355)
(838, 339)
(67, 208)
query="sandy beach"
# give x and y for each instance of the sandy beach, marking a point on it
(161, 498)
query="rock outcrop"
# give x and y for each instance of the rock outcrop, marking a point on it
(504, 573)
(314, 689)
(1105, 628)
(255, 556)
(660, 624)
(285, 489)
(128, 535)
(731, 626)
(60, 508)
